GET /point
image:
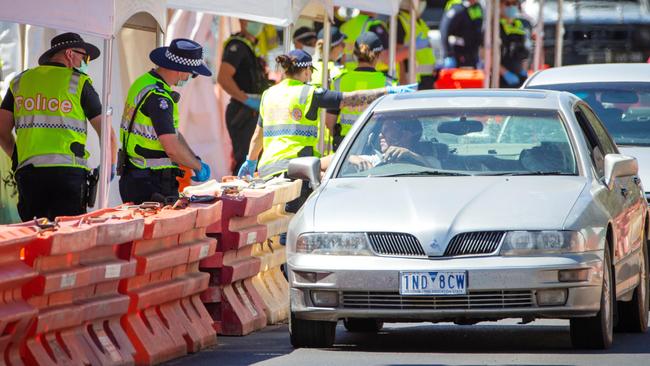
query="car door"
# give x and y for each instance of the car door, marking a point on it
(628, 196)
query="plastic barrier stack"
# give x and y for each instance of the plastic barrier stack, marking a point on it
(123, 286)
(245, 291)
(16, 315)
(166, 318)
(460, 79)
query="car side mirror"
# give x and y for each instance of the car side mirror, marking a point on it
(307, 169)
(618, 165)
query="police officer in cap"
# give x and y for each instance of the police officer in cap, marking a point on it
(152, 146)
(515, 49)
(49, 105)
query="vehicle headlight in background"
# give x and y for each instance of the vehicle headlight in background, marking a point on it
(542, 242)
(333, 244)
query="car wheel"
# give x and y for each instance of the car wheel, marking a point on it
(311, 333)
(597, 332)
(633, 314)
(363, 325)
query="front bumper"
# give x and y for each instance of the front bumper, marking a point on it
(498, 287)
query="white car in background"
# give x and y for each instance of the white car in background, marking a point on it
(619, 94)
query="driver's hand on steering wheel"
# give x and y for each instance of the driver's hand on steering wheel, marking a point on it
(396, 153)
(359, 163)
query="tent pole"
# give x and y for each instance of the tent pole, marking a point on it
(539, 40)
(160, 37)
(496, 44)
(325, 57)
(487, 41)
(105, 145)
(392, 41)
(287, 38)
(559, 33)
(412, 62)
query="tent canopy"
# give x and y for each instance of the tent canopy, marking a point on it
(387, 7)
(102, 18)
(275, 12)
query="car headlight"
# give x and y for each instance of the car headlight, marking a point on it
(333, 244)
(542, 242)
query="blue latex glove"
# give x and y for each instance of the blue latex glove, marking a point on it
(253, 103)
(449, 63)
(113, 171)
(248, 168)
(203, 174)
(399, 89)
(524, 74)
(511, 78)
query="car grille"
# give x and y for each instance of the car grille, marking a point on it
(473, 300)
(482, 242)
(398, 244)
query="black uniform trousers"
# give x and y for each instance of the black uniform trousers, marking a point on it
(241, 122)
(148, 185)
(51, 192)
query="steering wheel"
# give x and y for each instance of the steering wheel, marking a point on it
(402, 159)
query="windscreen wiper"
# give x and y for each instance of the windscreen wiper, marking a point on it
(427, 173)
(538, 172)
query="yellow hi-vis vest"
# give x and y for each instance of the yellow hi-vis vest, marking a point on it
(424, 58)
(287, 131)
(142, 132)
(49, 118)
(333, 70)
(352, 81)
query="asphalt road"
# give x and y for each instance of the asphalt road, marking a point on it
(544, 342)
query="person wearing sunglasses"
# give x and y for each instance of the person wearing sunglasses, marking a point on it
(49, 106)
(152, 146)
(514, 46)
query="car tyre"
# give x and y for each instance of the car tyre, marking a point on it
(311, 333)
(363, 325)
(633, 314)
(597, 332)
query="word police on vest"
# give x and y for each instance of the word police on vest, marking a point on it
(41, 103)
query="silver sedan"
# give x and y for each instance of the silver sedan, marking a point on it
(471, 206)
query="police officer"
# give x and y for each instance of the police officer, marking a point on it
(49, 106)
(337, 53)
(461, 33)
(367, 49)
(364, 22)
(304, 38)
(424, 58)
(243, 77)
(153, 148)
(288, 128)
(514, 46)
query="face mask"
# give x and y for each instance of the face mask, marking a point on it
(83, 68)
(339, 58)
(511, 12)
(254, 28)
(309, 50)
(182, 83)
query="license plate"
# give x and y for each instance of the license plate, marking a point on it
(433, 283)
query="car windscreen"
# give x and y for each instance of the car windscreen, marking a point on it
(624, 108)
(460, 142)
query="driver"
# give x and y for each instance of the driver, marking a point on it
(398, 142)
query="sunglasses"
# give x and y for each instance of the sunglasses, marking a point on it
(85, 55)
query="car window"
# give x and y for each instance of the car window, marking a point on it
(460, 142)
(595, 150)
(603, 137)
(624, 108)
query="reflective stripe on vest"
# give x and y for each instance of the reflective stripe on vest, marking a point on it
(142, 133)
(54, 160)
(287, 131)
(291, 130)
(50, 122)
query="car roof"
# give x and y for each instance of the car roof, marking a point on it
(595, 73)
(473, 98)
